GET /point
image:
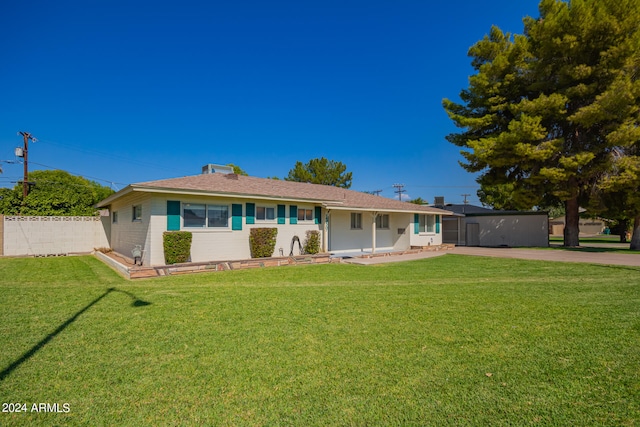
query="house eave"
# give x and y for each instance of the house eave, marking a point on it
(106, 202)
(387, 210)
(508, 213)
(207, 193)
(327, 204)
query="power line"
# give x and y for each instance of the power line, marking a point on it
(443, 186)
(26, 136)
(113, 156)
(81, 175)
(399, 190)
(49, 182)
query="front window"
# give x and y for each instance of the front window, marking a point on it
(264, 213)
(382, 222)
(217, 216)
(137, 213)
(205, 216)
(194, 215)
(427, 224)
(305, 214)
(114, 217)
(356, 221)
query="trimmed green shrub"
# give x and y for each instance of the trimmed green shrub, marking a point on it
(262, 242)
(177, 246)
(312, 243)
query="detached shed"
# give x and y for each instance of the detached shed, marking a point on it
(478, 226)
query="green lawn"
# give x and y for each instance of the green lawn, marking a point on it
(451, 340)
(592, 244)
(587, 240)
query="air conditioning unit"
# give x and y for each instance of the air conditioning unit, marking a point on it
(211, 168)
(438, 201)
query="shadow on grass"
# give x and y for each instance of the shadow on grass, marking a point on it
(599, 247)
(616, 267)
(26, 356)
(595, 249)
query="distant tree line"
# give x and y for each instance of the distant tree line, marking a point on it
(54, 192)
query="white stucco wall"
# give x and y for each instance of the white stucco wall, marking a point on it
(402, 227)
(425, 238)
(227, 244)
(344, 239)
(127, 233)
(208, 244)
(218, 244)
(52, 235)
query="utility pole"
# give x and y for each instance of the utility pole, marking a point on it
(400, 190)
(376, 192)
(465, 198)
(25, 184)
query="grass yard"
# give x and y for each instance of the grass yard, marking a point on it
(594, 244)
(451, 340)
(603, 238)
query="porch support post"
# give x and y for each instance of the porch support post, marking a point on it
(325, 240)
(374, 215)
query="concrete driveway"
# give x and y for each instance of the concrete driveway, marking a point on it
(606, 258)
(561, 255)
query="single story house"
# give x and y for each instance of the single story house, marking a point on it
(477, 226)
(219, 208)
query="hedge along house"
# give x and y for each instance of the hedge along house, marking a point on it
(219, 208)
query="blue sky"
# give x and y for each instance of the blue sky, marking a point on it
(131, 91)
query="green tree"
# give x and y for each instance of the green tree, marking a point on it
(54, 192)
(619, 195)
(419, 201)
(556, 211)
(499, 196)
(545, 109)
(238, 170)
(321, 171)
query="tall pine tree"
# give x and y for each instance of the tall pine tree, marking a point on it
(546, 110)
(321, 171)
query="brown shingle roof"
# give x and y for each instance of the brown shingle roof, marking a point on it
(238, 185)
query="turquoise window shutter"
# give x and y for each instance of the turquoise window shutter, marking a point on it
(317, 217)
(437, 224)
(236, 217)
(173, 215)
(281, 214)
(416, 223)
(293, 214)
(251, 213)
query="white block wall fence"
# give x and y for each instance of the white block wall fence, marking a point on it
(52, 235)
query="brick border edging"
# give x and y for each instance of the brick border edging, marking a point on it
(169, 270)
(413, 250)
(199, 267)
(121, 269)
